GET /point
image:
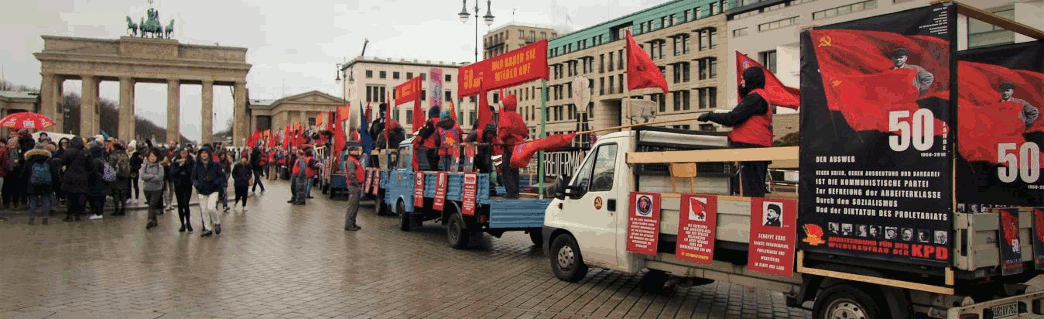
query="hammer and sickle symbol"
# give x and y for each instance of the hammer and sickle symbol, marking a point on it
(824, 41)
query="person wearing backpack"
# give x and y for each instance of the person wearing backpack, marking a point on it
(42, 174)
(355, 177)
(448, 140)
(99, 183)
(120, 161)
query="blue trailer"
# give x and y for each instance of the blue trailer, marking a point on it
(493, 215)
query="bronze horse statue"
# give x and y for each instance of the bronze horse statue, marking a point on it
(132, 27)
(169, 29)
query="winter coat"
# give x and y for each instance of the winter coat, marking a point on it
(207, 177)
(41, 156)
(5, 163)
(241, 175)
(512, 129)
(255, 158)
(78, 168)
(136, 160)
(181, 173)
(96, 186)
(152, 176)
(121, 183)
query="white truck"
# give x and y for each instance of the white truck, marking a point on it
(586, 225)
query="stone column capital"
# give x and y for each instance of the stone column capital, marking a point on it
(208, 82)
(174, 81)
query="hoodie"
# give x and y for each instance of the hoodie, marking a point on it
(77, 163)
(207, 177)
(449, 136)
(512, 129)
(152, 176)
(752, 105)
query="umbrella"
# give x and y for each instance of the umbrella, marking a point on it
(27, 120)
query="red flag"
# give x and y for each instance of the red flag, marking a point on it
(252, 141)
(775, 92)
(338, 130)
(286, 137)
(418, 115)
(642, 72)
(368, 114)
(484, 115)
(984, 120)
(859, 80)
(524, 151)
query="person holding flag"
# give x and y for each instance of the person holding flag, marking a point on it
(751, 123)
(512, 130)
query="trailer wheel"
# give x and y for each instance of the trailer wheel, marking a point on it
(537, 238)
(845, 302)
(566, 261)
(654, 280)
(457, 232)
(404, 217)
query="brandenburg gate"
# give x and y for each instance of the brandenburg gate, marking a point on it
(131, 60)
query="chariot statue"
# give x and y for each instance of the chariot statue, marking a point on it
(150, 26)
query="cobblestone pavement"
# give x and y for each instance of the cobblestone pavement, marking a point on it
(281, 261)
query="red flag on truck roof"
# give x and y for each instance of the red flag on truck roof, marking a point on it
(642, 72)
(776, 93)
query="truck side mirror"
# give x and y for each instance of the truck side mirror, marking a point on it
(560, 186)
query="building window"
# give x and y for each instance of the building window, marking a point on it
(424, 76)
(658, 98)
(707, 127)
(409, 116)
(708, 97)
(620, 61)
(449, 77)
(714, 9)
(697, 13)
(685, 71)
(745, 14)
(982, 34)
(677, 99)
(797, 2)
(424, 95)
(381, 98)
(713, 68)
(774, 7)
(369, 94)
(543, 35)
(619, 83)
(409, 75)
(611, 86)
(395, 75)
(369, 74)
(384, 75)
(688, 15)
(449, 96)
(610, 62)
(843, 10)
(778, 24)
(739, 32)
(521, 34)
(768, 59)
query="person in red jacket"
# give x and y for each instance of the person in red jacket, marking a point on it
(428, 138)
(353, 169)
(751, 123)
(512, 130)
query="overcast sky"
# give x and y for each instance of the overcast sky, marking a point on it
(292, 45)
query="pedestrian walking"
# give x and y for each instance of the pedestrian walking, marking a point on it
(42, 173)
(207, 178)
(182, 176)
(171, 152)
(152, 176)
(355, 177)
(137, 158)
(226, 166)
(241, 175)
(257, 166)
(120, 161)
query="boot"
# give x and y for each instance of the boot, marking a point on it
(188, 226)
(44, 221)
(32, 220)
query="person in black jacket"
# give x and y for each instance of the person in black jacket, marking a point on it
(97, 187)
(42, 173)
(208, 178)
(77, 163)
(257, 169)
(136, 160)
(241, 175)
(751, 123)
(181, 173)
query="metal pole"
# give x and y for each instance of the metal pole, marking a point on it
(543, 128)
(476, 29)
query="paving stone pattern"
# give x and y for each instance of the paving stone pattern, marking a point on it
(282, 261)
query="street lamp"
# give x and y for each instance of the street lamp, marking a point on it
(463, 15)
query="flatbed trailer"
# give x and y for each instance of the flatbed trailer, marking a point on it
(492, 214)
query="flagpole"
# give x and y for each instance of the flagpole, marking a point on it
(629, 126)
(627, 89)
(543, 130)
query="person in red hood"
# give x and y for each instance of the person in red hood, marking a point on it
(427, 140)
(512, 130)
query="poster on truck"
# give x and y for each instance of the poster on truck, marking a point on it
(1038, 237)
(772, 227)
(418, 189)
(697, 223)
(643, 224)
(876, 144)
(1010, 244)
(1000, 130)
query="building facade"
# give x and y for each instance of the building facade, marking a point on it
(373, 81)
(513, 36)
(300, 108)
(685, 38)
(767, 30)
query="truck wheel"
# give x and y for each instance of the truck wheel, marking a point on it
(536, 237)
(404, 217)
(457, 232)
(566, 261)
(845, 302)
(654, 280)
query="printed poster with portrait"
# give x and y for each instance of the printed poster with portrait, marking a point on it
(772, 236)
(697, 223)
(1010, 244)
(418, 189)
(643, 226)
(1000, 129)
(1038, 237)
(876, 158)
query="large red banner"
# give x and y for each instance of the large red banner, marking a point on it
(772, 234)
(643, 227)
(696, 226)
(440, 192)
(515, 67)
(469, 196)
(418, 190)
